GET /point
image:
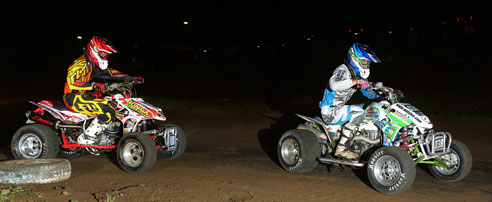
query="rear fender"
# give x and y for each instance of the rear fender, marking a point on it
(47, 108)
(321, 123)
(40, 118)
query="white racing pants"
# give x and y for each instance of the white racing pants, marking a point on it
(338, 115)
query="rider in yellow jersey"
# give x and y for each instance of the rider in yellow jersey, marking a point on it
(82, 95)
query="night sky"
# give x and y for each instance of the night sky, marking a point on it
(230, 48)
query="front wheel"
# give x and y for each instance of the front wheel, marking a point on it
(460, 160)
(136, 153)
(391, 170)
(298, 151)
(178, 143)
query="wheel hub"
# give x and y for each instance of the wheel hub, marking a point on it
(30, 146)
(133, 154)
(290, 151)
(387, 170)
(453, 160)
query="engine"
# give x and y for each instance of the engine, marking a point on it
(111, 133)
(367, 136)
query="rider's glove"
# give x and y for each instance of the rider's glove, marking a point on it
(363, 84)
(99, 87)
(138, 80)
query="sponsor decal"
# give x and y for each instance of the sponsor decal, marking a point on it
(409, 112)
(398, 183)
(298, 163)
(41, 120)
(374, 158)
(89, 108)
(401, 116)
(135, 107)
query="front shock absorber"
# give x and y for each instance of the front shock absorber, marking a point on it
(405, 143)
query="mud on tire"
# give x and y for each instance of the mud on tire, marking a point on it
(298, 151)
(391, 170)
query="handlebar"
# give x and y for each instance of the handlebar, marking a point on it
(114, 86)
(386, 93)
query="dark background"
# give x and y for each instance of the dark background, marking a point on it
(281, 53)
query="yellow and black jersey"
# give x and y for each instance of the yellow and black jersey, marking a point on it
(81, 72)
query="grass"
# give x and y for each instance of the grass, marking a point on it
(6, 194)
(110, 198)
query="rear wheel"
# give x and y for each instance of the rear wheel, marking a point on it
(35, 141)
(298, 151)
(136, 153)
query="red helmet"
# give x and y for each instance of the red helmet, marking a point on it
(98, 50)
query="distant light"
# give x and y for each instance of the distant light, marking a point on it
(390, 32)
(309, 39)
(258, 46)
(361, 29)
(79, 37)
(443, 22)
(185, 22)
(458, 19)
(411, 28)
(350, 30)
(471, 17)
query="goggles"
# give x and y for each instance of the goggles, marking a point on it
(103, 55)
(364, 63)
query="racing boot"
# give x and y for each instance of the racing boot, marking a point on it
(90, 135)
(347, 134)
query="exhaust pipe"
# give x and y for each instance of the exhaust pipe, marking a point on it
(68, 126)
(365, 139)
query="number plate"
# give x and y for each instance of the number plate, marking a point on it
(439, 144)
(172, 140)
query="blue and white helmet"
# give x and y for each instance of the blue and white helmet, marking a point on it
(359, 58)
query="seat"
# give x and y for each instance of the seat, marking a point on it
(60, 105)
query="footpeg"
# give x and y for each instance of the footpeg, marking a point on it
(344, 162)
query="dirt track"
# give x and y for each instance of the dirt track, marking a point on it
(231, 157)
